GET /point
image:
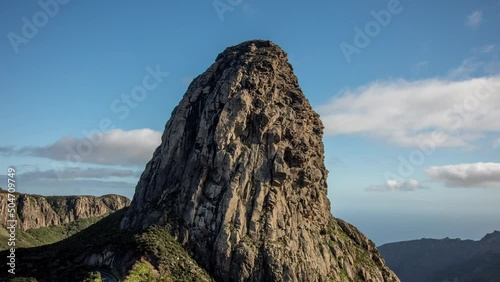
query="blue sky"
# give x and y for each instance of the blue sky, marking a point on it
(415, 68)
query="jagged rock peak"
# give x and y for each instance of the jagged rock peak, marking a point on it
(262, 47)
(240, 178)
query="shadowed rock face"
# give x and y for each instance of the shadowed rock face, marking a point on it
(240, 179)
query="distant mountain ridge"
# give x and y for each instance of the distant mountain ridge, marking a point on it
(429, 260)
(45, 220)
(35, 211)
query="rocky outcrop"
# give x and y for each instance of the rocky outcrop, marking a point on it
(240, 180)
(35, 211)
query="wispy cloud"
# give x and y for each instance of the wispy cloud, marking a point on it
(487, 48)
(409, 113)
(116, 147)
(85, 186)
(470, 67)
(484, 61)
(467, 175)
(420, 66)
(395, 185)
(474, 19)
(77, 173)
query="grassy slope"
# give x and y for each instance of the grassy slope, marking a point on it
(156, 256)
(46, 235)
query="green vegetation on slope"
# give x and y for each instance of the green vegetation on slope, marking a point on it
(46, 235)
(93, 276)
(149, 255)
(172, 261)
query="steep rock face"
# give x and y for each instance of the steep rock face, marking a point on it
(35, 211)
(239, 178)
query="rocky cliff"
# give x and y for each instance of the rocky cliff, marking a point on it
(239, 179)
(35, 211)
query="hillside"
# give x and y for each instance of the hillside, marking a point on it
(45, 220)
(46, 235)
(432, 260)
(150, 255)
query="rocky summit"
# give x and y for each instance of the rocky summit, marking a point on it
(239, 179)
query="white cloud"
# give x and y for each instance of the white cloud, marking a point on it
(473, 66)
(76, 173)
(54, 187)
(483, 62)
(116, 147)
(474, 19)
(487, 48)
(411, 113)
(468, 67)
(467, 175)
(395, 185)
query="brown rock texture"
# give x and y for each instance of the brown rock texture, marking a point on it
(35, 211)
(240, 180)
